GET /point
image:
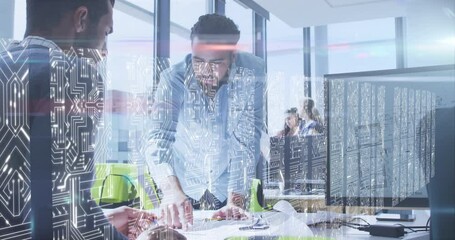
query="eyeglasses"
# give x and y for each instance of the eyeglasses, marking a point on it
(200, 65)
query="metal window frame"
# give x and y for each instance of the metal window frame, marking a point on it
(400, 42)
(307, 61)
(161, 36)
(260, 36)
(217, 6)
(255, 7)
(260, 49)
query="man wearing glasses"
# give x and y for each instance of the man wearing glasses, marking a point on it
(203, 141)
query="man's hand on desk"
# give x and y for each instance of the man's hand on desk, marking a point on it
(233, 209)
(176, 209)
(230, 212)
(126, 219)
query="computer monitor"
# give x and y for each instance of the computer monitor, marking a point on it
(298, 163)
(381, 141)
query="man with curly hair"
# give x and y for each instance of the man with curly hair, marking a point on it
(203, 143)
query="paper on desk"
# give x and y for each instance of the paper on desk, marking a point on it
(312, 218)
(284, 207)
(325, 216)
(288, 224)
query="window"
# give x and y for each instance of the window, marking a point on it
(350, 47)
(126, 46)
(182, 21)
(357, 46)
(284, 70)
(243, 17)
(430, 34)
(129, 70)
(19, 19)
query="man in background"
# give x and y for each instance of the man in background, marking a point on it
(207, 117)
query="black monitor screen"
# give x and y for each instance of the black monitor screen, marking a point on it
(298, 163)
(381, 134)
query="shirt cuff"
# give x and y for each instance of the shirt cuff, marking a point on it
(160, 173)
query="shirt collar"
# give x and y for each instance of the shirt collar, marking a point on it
(35, 40)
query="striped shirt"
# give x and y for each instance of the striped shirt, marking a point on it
(208, 144)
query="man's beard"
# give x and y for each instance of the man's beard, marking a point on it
(209, 85)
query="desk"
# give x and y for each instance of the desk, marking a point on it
(281, 224)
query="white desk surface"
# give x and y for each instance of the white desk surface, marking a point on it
(282, 224)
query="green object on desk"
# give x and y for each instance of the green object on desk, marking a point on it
(265, 237)
(256, 196)
(117, 184)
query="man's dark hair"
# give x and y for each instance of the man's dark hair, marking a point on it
(43, 15)
(217, 28)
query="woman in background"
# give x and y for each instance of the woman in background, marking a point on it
(291, 125)
(310, 124)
